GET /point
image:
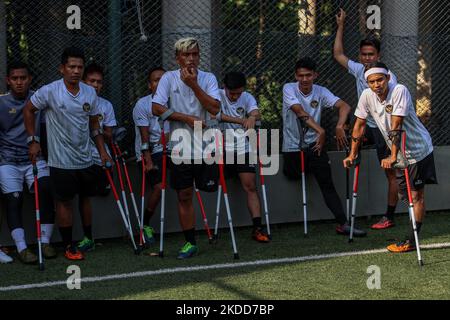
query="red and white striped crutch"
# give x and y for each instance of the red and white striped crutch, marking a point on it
(130, 189)
(38, 216)
(411, 202)
(262, 181)
(163, 191)
(122, 188)
(108, 166)
(202, 209)
(141, 230)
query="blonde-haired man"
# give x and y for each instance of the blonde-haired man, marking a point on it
(193, 94)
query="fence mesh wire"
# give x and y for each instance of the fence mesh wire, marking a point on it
(262, 38)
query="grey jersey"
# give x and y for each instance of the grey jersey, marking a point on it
(313, 104)
(238, 109)
(13, 136)
(67, 118)
(143, 117)
(357, 70)
(106, 118)
(397, 103)
(183, 100)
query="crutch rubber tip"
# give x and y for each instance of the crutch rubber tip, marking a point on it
(211, 240)
(350, 240)
(236, 256)
(137, 251)
(421, 264)
(41, 267)
(161, 254)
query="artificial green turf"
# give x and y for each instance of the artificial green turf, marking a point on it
(337, 278)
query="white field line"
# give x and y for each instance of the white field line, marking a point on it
(212, 267)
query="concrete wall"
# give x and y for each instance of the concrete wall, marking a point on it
(284, 199)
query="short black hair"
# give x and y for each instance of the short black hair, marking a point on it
(14, 65)
(235, 80)
(158, 68)
(72, 52)
(306, 63)
(93, 67)
(371, 42)
(377, 64)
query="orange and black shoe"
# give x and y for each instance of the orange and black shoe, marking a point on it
(384, 223)
(259, 235)
(403, 246)
(72, 253)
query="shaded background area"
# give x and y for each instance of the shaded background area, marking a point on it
(263, 38)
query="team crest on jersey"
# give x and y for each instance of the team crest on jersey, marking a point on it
(240, 111)
(101, 117)
(314, 104)
(389, 108)
(12, 111)
(86, 107)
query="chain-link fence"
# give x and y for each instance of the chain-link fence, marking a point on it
(262, 38)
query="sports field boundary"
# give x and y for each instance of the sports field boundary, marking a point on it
(235, 265)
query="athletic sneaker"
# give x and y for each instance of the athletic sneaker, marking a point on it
(48, 251)
(27, 256)
(259, 235)
(4, 258)
(149, 235)
(86, 245)
(384, 223)
(187, 251)
(72, 253)
(344, 229)
(403, 246)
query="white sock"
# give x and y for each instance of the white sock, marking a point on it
(19, 238)
(46, 232)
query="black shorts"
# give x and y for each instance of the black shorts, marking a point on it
(292, 163)
(375, 137)
(155, 175)
(234, 168)
(67, 183)
(205, 176)
(103, 187)
(420, 174)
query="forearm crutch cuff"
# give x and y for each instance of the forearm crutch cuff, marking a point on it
(166, 114)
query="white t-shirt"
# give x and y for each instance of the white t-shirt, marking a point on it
(143, 117)
(397, 103)
(313, 104)
(357, 70)
(238, 109)
(182, 99)
(106, 118)
(67, 118)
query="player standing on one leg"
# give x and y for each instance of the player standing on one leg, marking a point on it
(392, 108)
(72, 120)
(369, 52)
(193, 94)
(16, 167)
(240, 111)
(148, 143)
(93, 76)
(305, 100)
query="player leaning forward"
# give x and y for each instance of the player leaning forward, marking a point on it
(72, 119)
(392, 109)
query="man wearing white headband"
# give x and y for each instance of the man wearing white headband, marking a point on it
(369, 52)
(393, 111)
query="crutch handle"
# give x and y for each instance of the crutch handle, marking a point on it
(108, 165)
